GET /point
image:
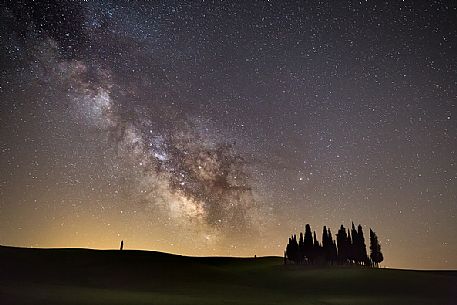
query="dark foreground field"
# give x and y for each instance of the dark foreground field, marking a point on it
(80, 276)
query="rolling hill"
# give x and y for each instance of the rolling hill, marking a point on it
(83, 276)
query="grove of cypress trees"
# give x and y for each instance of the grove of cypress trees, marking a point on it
(349, 247)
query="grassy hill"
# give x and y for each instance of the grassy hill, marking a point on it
(81, 276)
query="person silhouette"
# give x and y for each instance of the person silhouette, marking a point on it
(122, 244)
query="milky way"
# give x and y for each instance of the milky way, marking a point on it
(180, 168)
(219, 128)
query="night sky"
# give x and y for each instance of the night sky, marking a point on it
(221, 127)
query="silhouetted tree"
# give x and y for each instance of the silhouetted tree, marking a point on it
(308, 244)
(350, 248)
(362, 248)
(288, 252)
(301, 250)
(343, 247)
(327, 245)
(376, 254)
(355, 245)
(333, 253)
(318, 255)
(324, 237)
(292, 249)
(294, 246)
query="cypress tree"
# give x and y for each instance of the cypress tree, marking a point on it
(315, 242)
(350, 249)
(325, 246)
(376, 254)
(287, 251)
(318, 256)
(362, 250)
(342, 243)
(294, 248)
(308, 243)
(355, 247)
(332, 252)
(301, 252)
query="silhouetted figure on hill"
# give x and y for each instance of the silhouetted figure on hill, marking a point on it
(122, 244)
